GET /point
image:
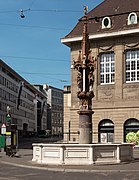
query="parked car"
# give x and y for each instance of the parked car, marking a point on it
(43, 133)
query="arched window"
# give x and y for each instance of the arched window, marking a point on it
(106, 131)
(106, 23)
(132, 18)
(131, 125)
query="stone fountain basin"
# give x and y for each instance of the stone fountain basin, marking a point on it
(81, 154)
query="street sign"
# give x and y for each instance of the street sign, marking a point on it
(3, 125)
(8, 138)
(3, 129)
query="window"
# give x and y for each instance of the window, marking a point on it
(107, 68)
(106, 131)
(132, 66)
(106, 22)
(132, 18)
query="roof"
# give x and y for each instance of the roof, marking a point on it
(117, 10)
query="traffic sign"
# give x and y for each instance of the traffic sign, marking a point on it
(3, 125)
(8, 117)
(8, 138)
(3, 129)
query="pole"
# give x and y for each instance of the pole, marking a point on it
(17, 141)
(69, 130)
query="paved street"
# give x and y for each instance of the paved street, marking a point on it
(20, 173)
(19, 168)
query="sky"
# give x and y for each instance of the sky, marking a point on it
(31, 45)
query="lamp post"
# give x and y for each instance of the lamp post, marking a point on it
(85, 66)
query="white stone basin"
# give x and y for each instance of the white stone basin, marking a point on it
(81, 154)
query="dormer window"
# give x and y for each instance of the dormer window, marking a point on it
(106, 23)
(132, 18)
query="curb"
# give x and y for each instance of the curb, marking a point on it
(67, 170)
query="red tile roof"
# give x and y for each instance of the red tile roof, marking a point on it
(117, 10)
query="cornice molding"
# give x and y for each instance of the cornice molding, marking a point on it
(102, 35)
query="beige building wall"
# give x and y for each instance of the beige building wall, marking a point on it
(117, 102)
(67, 105)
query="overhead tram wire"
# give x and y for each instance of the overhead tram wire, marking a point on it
(34, 58)
(49, 77)
(55, 11)
(64, 11)
(28, 26)
(22, 11)
(43, 73)
(41, 10)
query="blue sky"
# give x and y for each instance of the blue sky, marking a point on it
(31, 45)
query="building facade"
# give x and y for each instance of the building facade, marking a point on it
(113, 29)
(55, 109)
(26, 105)
(67, 105)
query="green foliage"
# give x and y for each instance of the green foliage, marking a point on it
(133, 137)
(137, 134)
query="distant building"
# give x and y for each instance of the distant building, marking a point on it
(26, 105)
(113, 30)
(55, 110)
(67, 108)
(41, 109)
(49, 123)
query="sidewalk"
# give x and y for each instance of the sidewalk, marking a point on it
(25, 160)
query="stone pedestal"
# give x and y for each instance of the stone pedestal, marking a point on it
(85, 126)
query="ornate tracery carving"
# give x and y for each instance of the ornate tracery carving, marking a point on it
(85, 66)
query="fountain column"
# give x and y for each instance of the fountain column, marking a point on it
(85, 66)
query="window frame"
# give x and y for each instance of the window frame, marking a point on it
(132, 63)
(109, 23)
(107, 68)
(129, 19)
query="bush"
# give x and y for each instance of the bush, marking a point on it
(133, 137)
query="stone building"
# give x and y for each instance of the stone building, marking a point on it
(67, 106)
(55, 110)
(113, 28)
(26, 105)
